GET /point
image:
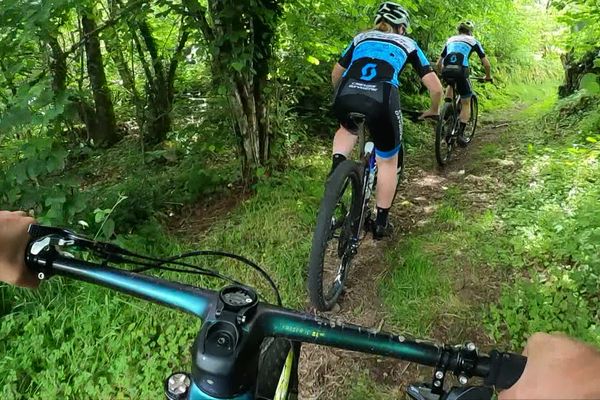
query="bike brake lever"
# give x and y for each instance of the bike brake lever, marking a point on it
(39, 231)
(65, 237)
(470, 393)
(421, 392)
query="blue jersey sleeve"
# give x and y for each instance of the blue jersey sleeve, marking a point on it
(478, 48)
(419, 61)
(346, 57)
(444, 52)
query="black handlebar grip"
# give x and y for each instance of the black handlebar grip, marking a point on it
(505, 369)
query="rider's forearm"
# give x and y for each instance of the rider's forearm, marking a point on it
(438, 65)
(336, 74)
(488, 67)
(433, 84)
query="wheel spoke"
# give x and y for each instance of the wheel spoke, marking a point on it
(333, 243)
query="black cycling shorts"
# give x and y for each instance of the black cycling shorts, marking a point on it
(457, 73)
(380, 103)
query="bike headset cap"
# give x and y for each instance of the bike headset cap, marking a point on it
(466, 26)
(392, 13)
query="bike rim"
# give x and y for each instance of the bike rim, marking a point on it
(337, 260)
(446, 140)
(472, 124)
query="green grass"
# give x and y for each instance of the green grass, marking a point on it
(419, 287)
(502, 100)
(491, 151)
(363, 387)
(416, 290)
(549, 216)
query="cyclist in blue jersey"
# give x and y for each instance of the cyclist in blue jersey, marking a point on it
(366, 78)
(454, 64)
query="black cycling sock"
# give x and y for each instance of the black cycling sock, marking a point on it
(382, 216)
(463, 126)
(337, 160)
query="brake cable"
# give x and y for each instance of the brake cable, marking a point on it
(113, 253)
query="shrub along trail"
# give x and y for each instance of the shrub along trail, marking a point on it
(419, 281)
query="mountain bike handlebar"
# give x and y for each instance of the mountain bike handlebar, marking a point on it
(225, 352)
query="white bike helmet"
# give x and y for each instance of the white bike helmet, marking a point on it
(466, 26)
(392, 13)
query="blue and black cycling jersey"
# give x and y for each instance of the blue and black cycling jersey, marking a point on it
(369, 85)
(376, 56)
(459, 48)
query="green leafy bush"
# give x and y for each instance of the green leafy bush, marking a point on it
(553, 221)
(28, 182)
(554, 304)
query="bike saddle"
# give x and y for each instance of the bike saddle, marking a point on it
(357, 118)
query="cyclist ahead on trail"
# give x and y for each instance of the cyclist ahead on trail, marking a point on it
(366, 77)
(454, 64)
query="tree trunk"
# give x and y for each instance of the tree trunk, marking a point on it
(103, 130)
(250, 32)
(575, 69)
(58, 65)
(112, 43)
(160, 80)
(243, 105)
(159, 104)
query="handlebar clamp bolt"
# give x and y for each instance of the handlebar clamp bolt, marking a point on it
(41, 276)
(437, 383)
(471, 346)
(439, 375)
(463, 380)
(177, 386)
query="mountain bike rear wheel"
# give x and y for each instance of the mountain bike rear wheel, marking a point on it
(444, 141)
(472, 124)
(331, 252)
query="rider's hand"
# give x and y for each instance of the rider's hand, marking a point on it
(13, 242)
(557, 367)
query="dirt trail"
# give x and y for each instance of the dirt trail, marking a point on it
(327, 373)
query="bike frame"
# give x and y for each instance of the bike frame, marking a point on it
(456, 107)
(457, 104)
(223, 373)
(368, 165)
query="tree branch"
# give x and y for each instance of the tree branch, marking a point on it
(106, 25)
(175, 58)
(198, 13)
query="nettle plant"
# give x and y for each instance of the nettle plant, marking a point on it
(29, 182)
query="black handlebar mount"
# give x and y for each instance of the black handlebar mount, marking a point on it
(226, 351)
(504, 370)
